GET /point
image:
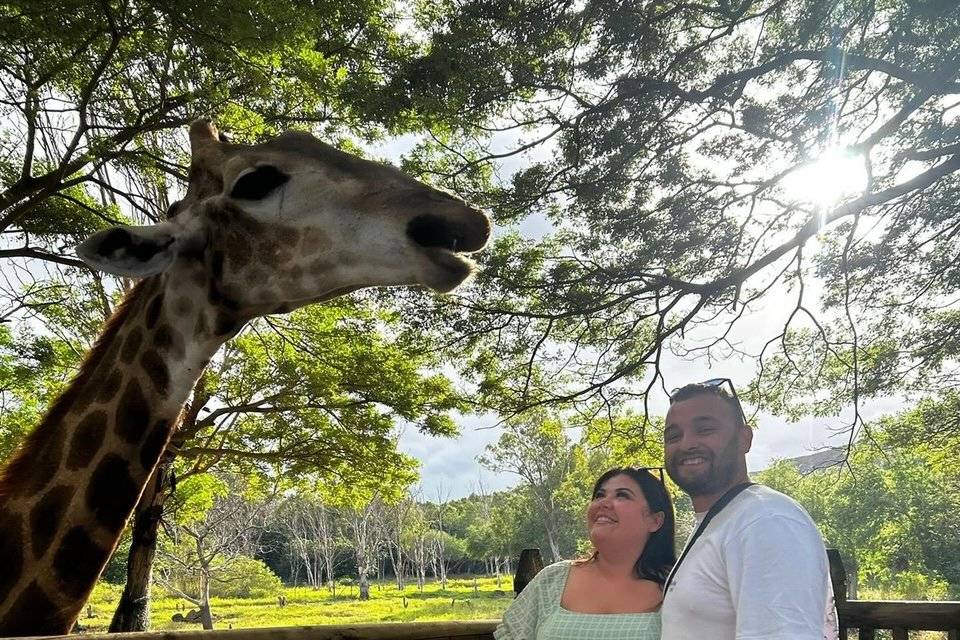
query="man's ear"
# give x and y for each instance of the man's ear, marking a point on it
(746, 438)
(134, 252)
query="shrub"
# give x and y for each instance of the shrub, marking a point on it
(245, 577)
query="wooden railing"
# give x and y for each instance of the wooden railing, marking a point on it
(472, 630)
(863, 615)
(898, 616)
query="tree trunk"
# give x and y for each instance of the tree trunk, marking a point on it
(554, 547)
(206, 618)
(133, 610)
(362, 569)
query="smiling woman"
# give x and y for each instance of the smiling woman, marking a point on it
(616, 592)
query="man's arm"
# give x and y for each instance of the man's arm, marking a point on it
(778, 574)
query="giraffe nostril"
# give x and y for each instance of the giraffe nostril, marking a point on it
(433, 231)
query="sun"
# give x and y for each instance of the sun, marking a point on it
(824, 182)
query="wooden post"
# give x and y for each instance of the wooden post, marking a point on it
(900, 634)
(530, 564)
(838, 577)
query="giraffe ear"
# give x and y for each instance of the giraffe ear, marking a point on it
(135, 252)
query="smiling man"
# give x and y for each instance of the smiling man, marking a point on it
(755, 566)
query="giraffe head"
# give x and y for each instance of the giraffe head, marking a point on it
(278, 225)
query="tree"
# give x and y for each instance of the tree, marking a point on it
(396, 520)
(418, 541)
(889, 511)
(311, 532)
(658, 140)
(217, 526)
(537, 450)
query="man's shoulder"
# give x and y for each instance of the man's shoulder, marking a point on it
(760, 502)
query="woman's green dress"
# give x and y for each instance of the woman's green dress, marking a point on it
(536, 614)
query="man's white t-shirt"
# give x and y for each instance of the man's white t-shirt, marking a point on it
(758, 572)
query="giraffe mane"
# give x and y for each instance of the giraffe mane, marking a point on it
(23, 458)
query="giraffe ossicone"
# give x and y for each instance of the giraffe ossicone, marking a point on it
(263, 228)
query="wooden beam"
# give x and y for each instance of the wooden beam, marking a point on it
(468, 630)
(882, 614)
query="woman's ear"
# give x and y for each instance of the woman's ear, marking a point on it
(658, 520)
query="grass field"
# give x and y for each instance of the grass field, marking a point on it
(306, 606)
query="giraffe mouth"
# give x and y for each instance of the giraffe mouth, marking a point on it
(444, 241)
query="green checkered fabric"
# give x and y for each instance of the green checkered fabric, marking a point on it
(537, 614)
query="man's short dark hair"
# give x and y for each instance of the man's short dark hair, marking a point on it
(720, 391)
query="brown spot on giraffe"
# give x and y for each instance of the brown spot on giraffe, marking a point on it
(107, 390)
(156, 370)
(287, 236)
(200, 327)
(46, 515)
(38, 614)
(46, 466)
(87, 440)
(321, 265)
(314, 241)
(153, 310)
(183, 306)
(154, 444)
(131, 345)
(226, 324)
(133, 413)
(257, 275)
(78, 561)
(163, 337)
(112, 494)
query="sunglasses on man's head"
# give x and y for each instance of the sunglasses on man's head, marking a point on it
(718, 383)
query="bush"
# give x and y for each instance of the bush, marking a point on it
(245, 578)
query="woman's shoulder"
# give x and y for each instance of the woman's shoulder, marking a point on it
(558, 567)
(554, 572)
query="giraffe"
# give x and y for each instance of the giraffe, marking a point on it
(262, 229)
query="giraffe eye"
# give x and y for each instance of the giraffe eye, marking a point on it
(258, 183)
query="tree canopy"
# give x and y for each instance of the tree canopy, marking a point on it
(664, 144)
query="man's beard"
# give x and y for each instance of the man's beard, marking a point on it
(722, 470)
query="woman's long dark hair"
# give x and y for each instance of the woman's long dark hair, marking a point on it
(660, 552)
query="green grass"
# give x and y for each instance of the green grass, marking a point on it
(306, 606)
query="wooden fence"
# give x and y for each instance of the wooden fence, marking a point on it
(866, 616)
(898, 616)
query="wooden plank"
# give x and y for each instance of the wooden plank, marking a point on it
(530, 564)
(953, 634)
(900, 634)
(882, 614)
(867, 634)
(467, 630)
(838, 576)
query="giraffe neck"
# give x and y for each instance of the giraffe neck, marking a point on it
(67, 493)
